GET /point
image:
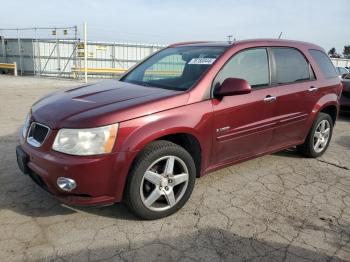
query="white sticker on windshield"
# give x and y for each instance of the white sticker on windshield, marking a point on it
(202, 61)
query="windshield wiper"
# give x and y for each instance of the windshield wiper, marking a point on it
(147, 84)
(141, 83)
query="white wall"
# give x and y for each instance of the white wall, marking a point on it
(342, 62)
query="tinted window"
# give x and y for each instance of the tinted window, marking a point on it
(291, 66)
(251, 65)
(324, 63)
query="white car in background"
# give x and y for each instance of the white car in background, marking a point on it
(342, 71)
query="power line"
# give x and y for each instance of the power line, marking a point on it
(36, 28)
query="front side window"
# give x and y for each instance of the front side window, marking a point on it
(324, 63)
(176, 68)
(291, 66)
(251, 65)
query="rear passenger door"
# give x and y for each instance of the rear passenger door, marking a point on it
(296, 91)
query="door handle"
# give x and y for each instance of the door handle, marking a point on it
(269, 99)
(313, 89)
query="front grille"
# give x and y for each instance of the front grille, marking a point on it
(37, 134)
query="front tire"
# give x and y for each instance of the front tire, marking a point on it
(318, 138)
(160, 181)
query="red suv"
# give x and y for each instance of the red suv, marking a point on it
(187, 110)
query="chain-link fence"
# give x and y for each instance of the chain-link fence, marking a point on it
(59, 52)
(65, 58)
(63, 55)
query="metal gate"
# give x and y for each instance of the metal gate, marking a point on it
(55, 57)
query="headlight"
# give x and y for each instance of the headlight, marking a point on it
(26, 125)
(84, 142)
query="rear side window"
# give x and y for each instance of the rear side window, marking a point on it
(251, 65)
(324, 63)
(291, 66)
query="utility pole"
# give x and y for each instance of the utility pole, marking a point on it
(85, 52)
(229, 38)
(75, 32)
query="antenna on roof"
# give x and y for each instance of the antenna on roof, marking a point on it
(279, 37)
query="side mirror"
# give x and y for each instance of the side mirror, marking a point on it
(233, 86)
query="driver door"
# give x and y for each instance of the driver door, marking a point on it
(243, 124)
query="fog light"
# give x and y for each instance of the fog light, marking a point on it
(66, 184)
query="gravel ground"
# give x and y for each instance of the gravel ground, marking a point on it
(279, 207)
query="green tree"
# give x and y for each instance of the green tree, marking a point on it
(332, 51)
(346, 50)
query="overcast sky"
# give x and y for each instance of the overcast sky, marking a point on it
(323, 22)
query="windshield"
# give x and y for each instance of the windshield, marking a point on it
(176, 68)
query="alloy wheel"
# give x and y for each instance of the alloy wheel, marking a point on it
(164, 183)
(321, 136)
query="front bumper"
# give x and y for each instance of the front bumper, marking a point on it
(100, 179)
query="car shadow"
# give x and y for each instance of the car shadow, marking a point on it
(20, 195)
(290, 152)
(208, 244)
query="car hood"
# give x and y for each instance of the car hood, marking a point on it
(103, 103)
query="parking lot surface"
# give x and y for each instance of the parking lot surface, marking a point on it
(280, 207)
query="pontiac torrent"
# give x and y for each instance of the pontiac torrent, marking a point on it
(184, 112)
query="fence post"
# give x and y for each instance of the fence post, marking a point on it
(3, 49)
(58, 57)
(33, 57)
(20, 53)
(15, 69)
(113, 54)
(85, 52)
(38, 56)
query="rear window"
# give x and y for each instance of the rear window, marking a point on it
(291, 66)
(324, 63)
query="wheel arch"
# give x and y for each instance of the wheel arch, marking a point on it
(190, 143)
(185, 138)
(331, 110)
(327, 104)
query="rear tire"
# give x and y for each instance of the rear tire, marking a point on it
(319, 137)
(160, 181)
